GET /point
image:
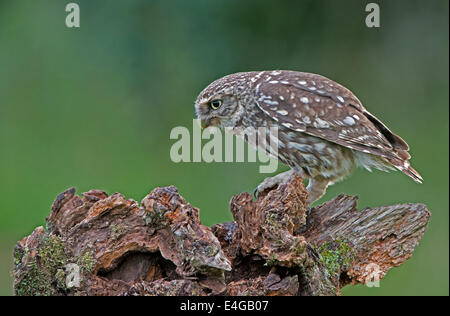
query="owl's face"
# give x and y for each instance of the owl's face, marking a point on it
(218, 104)
(217, 110)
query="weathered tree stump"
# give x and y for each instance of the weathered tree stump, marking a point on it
(107, 245)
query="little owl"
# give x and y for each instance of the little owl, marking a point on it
(323, 129)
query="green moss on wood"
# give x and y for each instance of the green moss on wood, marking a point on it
(43, 276)
(86, 261)
(336, 255)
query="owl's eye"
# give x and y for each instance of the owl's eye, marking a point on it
(215, 104)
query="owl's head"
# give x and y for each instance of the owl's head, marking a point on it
(219, 104)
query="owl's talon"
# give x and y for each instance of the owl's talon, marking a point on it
(272, 182)
(261, 188)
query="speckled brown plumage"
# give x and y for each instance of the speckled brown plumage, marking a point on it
(323, 129)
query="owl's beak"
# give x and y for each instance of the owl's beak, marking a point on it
(213, 121)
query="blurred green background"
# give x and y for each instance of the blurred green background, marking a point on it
(93, 107)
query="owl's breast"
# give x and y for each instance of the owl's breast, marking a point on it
(314, 156)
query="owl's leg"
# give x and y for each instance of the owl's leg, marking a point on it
(316, 189)
(272, 182)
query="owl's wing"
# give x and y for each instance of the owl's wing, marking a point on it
(315, 105)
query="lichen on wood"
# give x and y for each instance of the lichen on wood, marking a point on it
(274, 246)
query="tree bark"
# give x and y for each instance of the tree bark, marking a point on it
(109, 245)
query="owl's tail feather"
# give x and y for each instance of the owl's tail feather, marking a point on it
(405, 167)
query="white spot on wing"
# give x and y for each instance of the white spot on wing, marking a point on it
(304, 100)
(270, 102)
(319, 123)
(349, 121)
